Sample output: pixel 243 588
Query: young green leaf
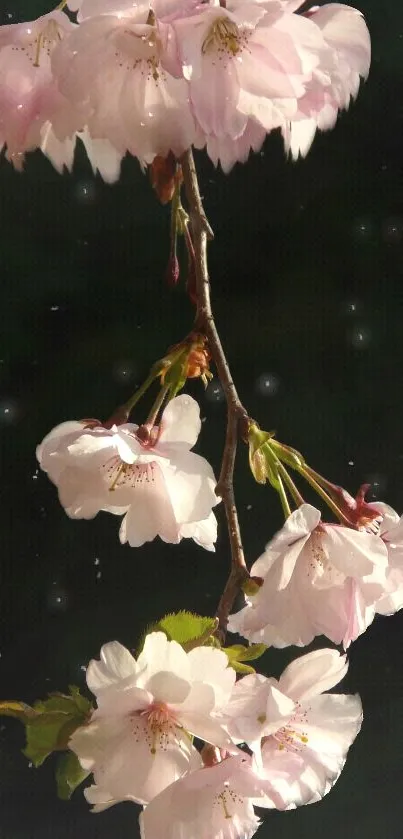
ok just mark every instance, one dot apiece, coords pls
pixel 185 627
pixel 69 775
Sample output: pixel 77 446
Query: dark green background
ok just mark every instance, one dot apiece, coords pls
pixel 307 277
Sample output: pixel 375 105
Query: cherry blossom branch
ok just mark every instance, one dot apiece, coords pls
pixel 237 417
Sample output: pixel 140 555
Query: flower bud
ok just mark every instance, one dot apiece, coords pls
pixel 172 271
pixel 252 585
pixel 164 175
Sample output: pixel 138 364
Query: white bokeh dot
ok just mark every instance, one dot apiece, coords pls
pixel 214 392
pixel 267 384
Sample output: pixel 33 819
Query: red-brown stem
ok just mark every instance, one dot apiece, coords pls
pixel 236 413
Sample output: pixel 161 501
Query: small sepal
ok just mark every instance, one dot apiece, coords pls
pixel 238 654
pixel 259 462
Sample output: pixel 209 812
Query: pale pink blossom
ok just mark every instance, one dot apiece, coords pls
pixel 318 579
pixel 337 78
pixel 214 802
pixel 123 72
pixel 248 61
pixel 33 112
pixel 162 487
pixel 300 735
pixel 29 97
pixel 138 740
pixel 391 533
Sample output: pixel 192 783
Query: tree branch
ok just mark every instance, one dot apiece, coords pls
pixel 237 416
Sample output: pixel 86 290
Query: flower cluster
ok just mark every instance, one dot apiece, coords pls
pixel 138 744
pixel 153 479
pixel 315 578
pixel 150 79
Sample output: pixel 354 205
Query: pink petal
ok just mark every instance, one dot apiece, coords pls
pixel 312 674
pixel 116 663
pixel 180 423
pixel 151 514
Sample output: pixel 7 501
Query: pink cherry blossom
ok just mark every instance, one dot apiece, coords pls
pixel 391 533
pixel 336 80
pixel 246 62
pixel 318 579
pixel 214 802
pixel 138 740
pixel 299 734
pixel 163 488
pixel 33 112
pixel 29 97
pixel 122 71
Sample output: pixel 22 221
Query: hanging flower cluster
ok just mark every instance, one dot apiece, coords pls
pixel 150 79
pixel 138 742
pixel 173 729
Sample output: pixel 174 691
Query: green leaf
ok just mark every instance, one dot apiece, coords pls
pixel 50 723
pixel 69 775
pixel 44 736
pixel 65 703
pixel 19 710
pixel 187 628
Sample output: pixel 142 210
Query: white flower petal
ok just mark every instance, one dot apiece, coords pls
pixel 209 665
pixel 166 686
pixel 116 664
pixel 353 552
pixel 180 422
pixel 160 655
pixel 203 532
pixel 190 484
pixel 256 709
pixel 312 674
pixel 150 514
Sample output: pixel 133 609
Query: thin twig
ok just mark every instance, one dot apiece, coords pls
pixel 236 413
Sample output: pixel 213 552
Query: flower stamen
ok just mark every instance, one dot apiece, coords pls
pixel 49 34
pixel 161 724
pixel 224 35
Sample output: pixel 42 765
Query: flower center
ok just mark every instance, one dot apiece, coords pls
pixel 289 738
pixel 41 39
pixel 162 727
pixel 119 474
pixel 223 37
pixel 226 800
pixel 139 50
